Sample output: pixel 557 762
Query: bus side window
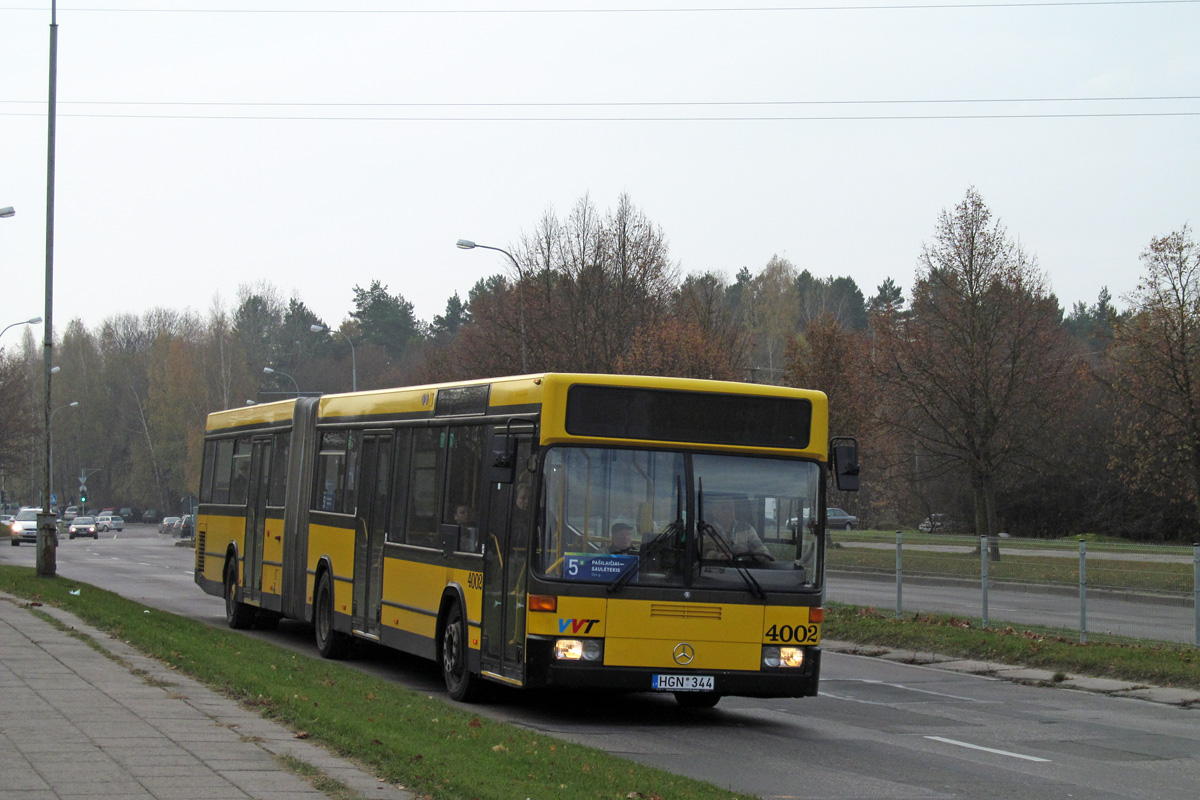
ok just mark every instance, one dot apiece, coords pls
pixel 222 467
pixel 422 519
pixel 400 486
pixel 240 479
pixel 279 467
pixel 206 474
pixel 463 470
pixel 331 468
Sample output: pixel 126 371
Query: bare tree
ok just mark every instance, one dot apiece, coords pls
pixel 977 370
pixel 1156 361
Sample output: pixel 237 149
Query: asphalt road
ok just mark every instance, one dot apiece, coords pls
pixel 878 730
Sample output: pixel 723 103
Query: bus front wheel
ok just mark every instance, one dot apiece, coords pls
pixel 461 685
pixel 330 643
pixel 238 615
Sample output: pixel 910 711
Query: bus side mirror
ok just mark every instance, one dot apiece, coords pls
pixel 503 460
pixel 844 452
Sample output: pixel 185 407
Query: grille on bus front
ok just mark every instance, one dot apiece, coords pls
pixel 677 611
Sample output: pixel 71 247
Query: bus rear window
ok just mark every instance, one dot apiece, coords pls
pixel 663 415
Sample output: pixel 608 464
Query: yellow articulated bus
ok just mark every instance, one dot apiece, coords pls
pixel 557 530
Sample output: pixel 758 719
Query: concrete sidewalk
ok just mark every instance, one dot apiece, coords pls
pixel 75 723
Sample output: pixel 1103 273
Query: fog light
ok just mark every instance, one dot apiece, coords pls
pixel 578 649
pixel 788 657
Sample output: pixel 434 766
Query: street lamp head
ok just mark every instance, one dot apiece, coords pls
pixel 72 404
pixel 315 328
pixel 54 370
pixel 268 370
pixel 7 211
pixel 251 403
pixel 465 244
pixel 33 321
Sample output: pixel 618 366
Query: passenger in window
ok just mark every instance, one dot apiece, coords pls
pixel 468 537
pixel 739 536
pixel 622 539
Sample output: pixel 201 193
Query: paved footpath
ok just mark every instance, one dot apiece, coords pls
pixel 75 723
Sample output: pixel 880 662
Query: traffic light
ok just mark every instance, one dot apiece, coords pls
pixel 83 494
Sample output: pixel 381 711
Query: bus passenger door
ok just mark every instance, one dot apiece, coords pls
pixel 258 487
pixel 505 557
pixel 370 531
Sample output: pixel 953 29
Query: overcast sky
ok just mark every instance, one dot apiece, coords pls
pixel 319 148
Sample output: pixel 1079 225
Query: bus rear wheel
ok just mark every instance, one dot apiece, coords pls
pixel 330 643
pixel 461 685
pixel 238 615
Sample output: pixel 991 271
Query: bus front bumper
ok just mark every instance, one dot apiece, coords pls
pixel 542 669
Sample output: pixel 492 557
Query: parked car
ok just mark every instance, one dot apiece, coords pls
pixel 168 525
pixel 941 523
pixel 149 515
pixel 187 527
pixel 110 522
pixel 70 513
pixel 83 526
pixel 835 518
pixel 24 526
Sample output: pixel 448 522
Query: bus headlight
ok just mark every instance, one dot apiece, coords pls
pixel 787 657
pixel 578 649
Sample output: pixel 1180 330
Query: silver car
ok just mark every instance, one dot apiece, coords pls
pixel 110 522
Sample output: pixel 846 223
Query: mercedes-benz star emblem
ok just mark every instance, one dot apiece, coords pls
pixel 684 653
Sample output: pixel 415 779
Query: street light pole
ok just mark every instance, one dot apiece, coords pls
pixel 315 328
pixel 467 244
pixel 33 321
pixel 71 404
pixel 270 371
pixel 47 536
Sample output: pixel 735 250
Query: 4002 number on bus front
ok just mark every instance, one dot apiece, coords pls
pixel 793 634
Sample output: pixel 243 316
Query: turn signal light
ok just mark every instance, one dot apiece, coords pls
pixel 543 602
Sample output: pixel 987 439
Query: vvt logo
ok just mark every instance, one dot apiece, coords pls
pixel 576 625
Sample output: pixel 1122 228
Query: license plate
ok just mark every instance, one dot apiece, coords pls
pixel 682 683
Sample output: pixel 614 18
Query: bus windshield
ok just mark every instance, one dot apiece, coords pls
pixel 661 518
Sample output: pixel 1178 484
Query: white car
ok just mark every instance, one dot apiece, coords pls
pixel 24 527
pixel 110 522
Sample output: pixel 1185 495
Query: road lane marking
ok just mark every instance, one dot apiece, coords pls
pixel 987 749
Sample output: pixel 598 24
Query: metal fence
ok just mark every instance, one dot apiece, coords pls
pixel 1088 590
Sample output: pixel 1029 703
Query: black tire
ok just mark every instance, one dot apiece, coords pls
pixel 331 643
pixel 697 699
pixel 237 614
pixel 849 526
pixel 71 536
pixel 461 684
pixel 16 542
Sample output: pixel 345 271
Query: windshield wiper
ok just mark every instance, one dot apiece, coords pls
pixel 659 542
pixel 706 529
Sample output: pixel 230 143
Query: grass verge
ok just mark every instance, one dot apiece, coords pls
pixel 946 634
pixel 404 737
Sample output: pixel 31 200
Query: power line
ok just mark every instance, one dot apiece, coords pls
pixel 621 104
pixel 657 10
pixel 863 117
